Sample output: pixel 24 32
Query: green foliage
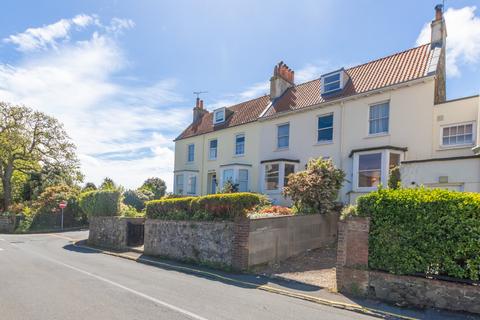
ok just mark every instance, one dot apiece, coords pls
pixel 130 212
pixel 89 186
pixel 348 211
pixel 211 207
pixel 394 179
pixel 431 231
pixel 229 187
pixel 100 203
pixel 315 189
pixel 137 198
pixel 156 186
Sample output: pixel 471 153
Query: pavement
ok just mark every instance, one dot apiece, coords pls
pixel 51 276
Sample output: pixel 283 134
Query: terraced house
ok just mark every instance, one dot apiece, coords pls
pixel 368 118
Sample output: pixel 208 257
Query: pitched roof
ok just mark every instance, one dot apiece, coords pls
pixel 394 69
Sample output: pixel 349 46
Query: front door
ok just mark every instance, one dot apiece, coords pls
pixel 212 188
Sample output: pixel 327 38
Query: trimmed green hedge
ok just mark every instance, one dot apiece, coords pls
pixel 428 231
pixel 211 207
pixel 100 203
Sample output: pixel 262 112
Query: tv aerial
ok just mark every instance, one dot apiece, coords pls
pixel 198 93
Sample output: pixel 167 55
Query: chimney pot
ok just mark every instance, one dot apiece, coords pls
pixel 438 12
pixel 197 104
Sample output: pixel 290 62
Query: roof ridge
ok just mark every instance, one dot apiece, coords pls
pixel 388 56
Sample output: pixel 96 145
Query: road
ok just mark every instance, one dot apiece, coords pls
pixel 45 277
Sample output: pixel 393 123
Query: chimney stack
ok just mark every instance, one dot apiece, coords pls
pixel 282 79
pixel 439 29
pixel 198 111
pixel 438 44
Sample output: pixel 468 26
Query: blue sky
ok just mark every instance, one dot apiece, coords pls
pixel 120 74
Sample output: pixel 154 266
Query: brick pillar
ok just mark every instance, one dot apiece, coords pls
pixel 352 255
pixel 241 231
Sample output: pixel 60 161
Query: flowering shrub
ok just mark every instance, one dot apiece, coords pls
pixel 315 189
pixel 277 210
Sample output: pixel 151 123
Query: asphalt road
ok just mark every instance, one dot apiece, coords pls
pixel 45 277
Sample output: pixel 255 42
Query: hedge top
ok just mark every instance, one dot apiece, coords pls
pixel 100 202
pixel 212 207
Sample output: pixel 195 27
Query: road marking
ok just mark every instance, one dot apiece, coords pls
pixel 61 237
pixel 118 285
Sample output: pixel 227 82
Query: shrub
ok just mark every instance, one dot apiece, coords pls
pixel 428 231
pixel 130 212
pixel 137 198
pixel 211 207
pixel 315 189
pixel 394 179
pixel 277 210
pixel 100 203
pixel 229 187
pixel 348 211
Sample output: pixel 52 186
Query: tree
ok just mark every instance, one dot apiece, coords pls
pixel 156 185
pixel 315 189
pixel 137 198
pixel 29 139
pixel 89 186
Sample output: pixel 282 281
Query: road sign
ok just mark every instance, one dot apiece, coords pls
pixel 63 204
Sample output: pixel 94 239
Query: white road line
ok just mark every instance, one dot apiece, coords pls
pixel 118 285
pixel 1 249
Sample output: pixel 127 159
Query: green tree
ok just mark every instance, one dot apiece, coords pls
pixel 29 139
pixel 89 186
pixel 156 185
pixel 137 198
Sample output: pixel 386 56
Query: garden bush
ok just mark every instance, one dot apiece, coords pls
pixel 315 189
pixel 100 202
pixel 427 231
pixel 211 207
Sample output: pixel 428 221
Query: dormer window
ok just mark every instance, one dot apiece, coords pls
pixel 334 81
pixel 219 116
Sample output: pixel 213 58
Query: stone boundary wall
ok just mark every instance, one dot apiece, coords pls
pixel 110 232
pixel 274 239
pixel 200 241
pixel 7 224
pixel 354 277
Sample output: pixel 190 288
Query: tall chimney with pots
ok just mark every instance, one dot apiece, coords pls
pixel 282 79
pixel 198 111
pixel 438 43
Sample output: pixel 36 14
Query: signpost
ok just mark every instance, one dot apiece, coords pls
pixel 62 206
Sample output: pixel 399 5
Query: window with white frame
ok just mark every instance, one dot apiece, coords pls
pixel 191 152
pixel 219 116
pixel 372 168
pixel 212 154
pixel 272 176
pixel 228 175
pixel 332 82
pixel 239 144
pixel 179 184
pixel 379 118
pixel 283 136
pixel 457 135
pixel 369 170
pixel 289 169
pixel 325 128
pixel 192 185
pixel 242 180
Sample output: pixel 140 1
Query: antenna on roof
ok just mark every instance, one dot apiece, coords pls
pixel 198 93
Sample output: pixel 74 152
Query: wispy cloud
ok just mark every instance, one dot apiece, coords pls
pixel 463 40
pixel 122 129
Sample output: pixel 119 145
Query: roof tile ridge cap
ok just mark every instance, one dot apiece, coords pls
pixel 388 56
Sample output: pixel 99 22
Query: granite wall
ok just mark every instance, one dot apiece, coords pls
pixel 110 232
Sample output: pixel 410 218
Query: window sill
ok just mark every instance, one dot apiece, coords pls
pixel 323 143
pixel 377 135
pixel 215 159
pixel 281 149
pixel 460 146
pixel 239 155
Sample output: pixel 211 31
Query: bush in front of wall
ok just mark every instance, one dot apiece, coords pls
pixel 100 202
pixel 427 231
pixel 211 207
pixel 315 189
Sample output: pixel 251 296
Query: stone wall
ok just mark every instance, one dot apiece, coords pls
pixel 201 241
pixel 7 224
pixel 354 277
pixel 110 232
pixel 278 238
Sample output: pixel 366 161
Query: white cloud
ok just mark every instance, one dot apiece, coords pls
pixel 75 81
pixel 463 38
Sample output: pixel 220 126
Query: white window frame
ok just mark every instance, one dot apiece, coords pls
pixel 210 149
pixel 281 176
pixel 179 177
pixel 193 152
pixel 278 136
pixel 191 177
pixel 240 181
pixel 332 127
pixel 218 111
pixel 339 73
pixel 370 106
pixel 384 168
pixel 236 174
pixel 244 143
pixel 463 145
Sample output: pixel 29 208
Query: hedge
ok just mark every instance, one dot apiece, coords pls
pixel 100 203
pixel 427 231
pixel 211 207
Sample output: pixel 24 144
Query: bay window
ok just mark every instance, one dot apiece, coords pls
pixel 369 170
pixel 272 176
pixel 237 174
pixel 276 175
pixel 179 184
pixel 242 180
pixel 192 185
